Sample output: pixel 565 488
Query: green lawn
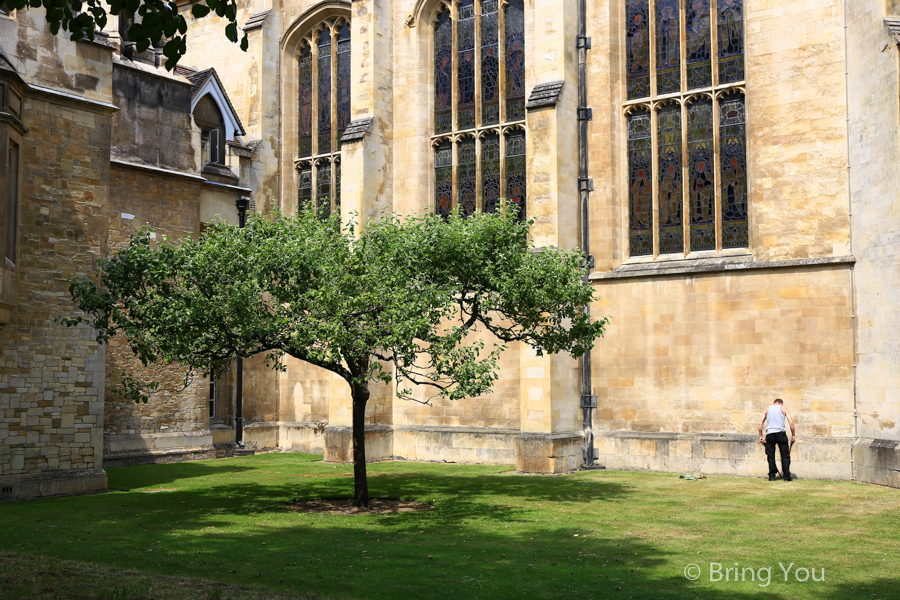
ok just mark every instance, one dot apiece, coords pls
pixel 223 529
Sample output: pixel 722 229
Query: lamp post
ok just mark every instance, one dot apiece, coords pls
pixel 242 203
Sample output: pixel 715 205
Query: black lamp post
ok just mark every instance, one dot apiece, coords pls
pixel 242 203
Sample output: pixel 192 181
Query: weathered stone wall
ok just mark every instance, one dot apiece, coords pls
pixel 52 377
pixel 153 125
pixel 874 181
pixel 170 203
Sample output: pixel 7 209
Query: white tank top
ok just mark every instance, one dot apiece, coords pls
pixel 774 419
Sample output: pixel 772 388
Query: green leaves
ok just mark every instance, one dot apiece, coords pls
pixel 153 22
pixel 418 301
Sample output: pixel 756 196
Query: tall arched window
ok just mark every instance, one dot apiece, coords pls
pixel 479 105
pixel 324 113
pixel 685 114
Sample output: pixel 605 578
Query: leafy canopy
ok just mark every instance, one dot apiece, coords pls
pixel 402 302
pixel 158 21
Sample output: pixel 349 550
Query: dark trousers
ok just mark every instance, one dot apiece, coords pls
pixel 781 439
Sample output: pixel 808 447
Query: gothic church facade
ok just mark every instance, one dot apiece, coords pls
pixel 731 164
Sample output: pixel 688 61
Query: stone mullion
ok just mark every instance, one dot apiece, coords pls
pixel 682 40
pixel 314 96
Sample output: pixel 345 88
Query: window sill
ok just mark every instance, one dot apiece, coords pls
pixel 715 263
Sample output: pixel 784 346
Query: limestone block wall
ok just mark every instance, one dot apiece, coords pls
pixel 874 180
pixel 705 354
pixel 52 377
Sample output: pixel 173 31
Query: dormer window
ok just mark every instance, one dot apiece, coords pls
pixel 212 131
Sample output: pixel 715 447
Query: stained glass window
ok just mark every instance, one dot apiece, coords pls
pixel 731 41
pixel 638 48
pixel 490 63
pixel 671 225
pixel 699 39
pixel 697 158
pixel 465 43
pixel 343 79
pixel 701 190
pixel 324 91
pixel 337 186
pixel 668 47
pixel 640 170
pixel 515 172
pixel 443 179
pixel 487 61
pixel 305 113
pixel 490 172
pixel 323 189
pixel 465 177
pixel 443 73
pixel 515 60
pixel 304 195
pixel 732 143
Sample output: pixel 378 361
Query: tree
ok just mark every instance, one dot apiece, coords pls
pixel 158 22
pixel 399 303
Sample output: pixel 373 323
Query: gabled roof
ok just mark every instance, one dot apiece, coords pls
pixel 208 82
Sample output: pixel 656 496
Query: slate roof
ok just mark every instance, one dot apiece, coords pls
pixel 546 94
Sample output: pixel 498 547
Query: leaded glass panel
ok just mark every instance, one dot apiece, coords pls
pixel 671 199
pixel 490 63
pixel 515 173
pixel 343 79
pixel 443 73
pixel 337 186
pixel 640 168
pixel 323 190
pixel 699 41
pixel 732 142
pixel 701 189
pixel 465 177
pixel 638 48
pixel 731 41
pixel 443 179
pixel 324 92
pixel 465 43
pixel 668 47
pixel 304 193
pixel 490 172
pixel 304 131
pixel 515 60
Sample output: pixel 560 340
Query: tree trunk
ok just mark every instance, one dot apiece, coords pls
pixel 360 483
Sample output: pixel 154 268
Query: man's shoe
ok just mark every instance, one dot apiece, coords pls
pixel 788 478
pixel 771 478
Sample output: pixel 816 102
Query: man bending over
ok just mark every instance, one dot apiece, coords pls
pixel 774 418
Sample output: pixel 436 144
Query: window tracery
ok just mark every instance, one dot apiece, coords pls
pixel 685 115
pixel 324 112
pixel 479 105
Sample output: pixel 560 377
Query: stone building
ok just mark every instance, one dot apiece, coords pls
pixel 737 190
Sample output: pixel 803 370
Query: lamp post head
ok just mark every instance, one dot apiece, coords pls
pixel 242 203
